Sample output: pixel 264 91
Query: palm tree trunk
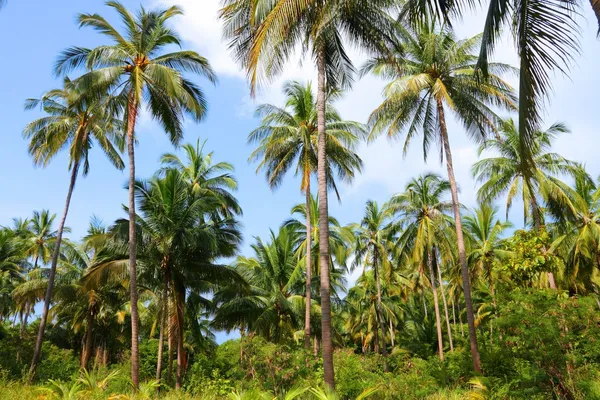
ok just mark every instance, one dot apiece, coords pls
pixel 462 255
pixel 380 311
pixel 537 223
pixel 171 339
pixel 441 282
pixel 308 268
pixel 49 290
pixel 170 350
pixel 89 335
pixel 438 322
pixel 453 314
pixel 133 293
pixel 324 226
pixel 181 358
pixel 392 335
pixel 163 322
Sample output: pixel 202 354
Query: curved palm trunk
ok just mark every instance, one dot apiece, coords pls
pixel 49 290
pixel 380 323
pixel 308 269
pixel 326 344
pixel 438 322
pixel 133 293
pixel 462 255
pixel 444 301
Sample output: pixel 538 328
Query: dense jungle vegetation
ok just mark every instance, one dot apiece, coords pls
pixel 450 302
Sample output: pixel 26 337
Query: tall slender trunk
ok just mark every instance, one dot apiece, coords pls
pixel 133 293
pixel 462 254
pixel 163 322
pixel 436 306
pixel 181 357
pixel 308 268
pixel 324 225
pixel 453 314
pixel 392 334
pixel 537 224
pixel 89 336
pixel 380 323
pixel 49 290
pixel 170 351
pixel 242 337
pixel 171 339
pixel 424 303
pixel 441 282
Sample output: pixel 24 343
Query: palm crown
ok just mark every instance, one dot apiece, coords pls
pixel 288 136
pixel 134 68
pixel 507 173
pixel 430 67
pixel 77 121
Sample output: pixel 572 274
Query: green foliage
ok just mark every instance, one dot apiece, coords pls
pixel 530 258
pixel 57 364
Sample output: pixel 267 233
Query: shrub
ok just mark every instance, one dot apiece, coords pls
pixel 57 364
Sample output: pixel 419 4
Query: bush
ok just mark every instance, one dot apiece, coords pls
pixel 56 364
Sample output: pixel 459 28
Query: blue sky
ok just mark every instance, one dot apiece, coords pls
pixel 33 33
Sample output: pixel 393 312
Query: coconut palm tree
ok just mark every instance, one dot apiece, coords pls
pixel 484 232
pixel 180 236
pixel 508 174
pixel 433 72
pixel 13 264
pixel 421 211
pixel 546 38
pixel 272 304
pixel 360 312
pixel 135 69
pixel 289 136
pixel 75 121
pixel 208 179
pixel 577 231
pixel 374 237
pixel 264 37
pixel 40 236
pixel 535 181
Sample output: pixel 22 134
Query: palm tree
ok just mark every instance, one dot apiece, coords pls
pixel 40 236
pixel 180 237
pixel 432 72
pixel 509 174
pixel 484 232
pixel 289 136
pixel 577 231
pixel 263 38
pixel 77 121
pixel 422 217
pixel 133 67
pixel 361 307
pixel 271 305
pixel 13 264
pixel 207 179
pixel 546 39
pixel 374 236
